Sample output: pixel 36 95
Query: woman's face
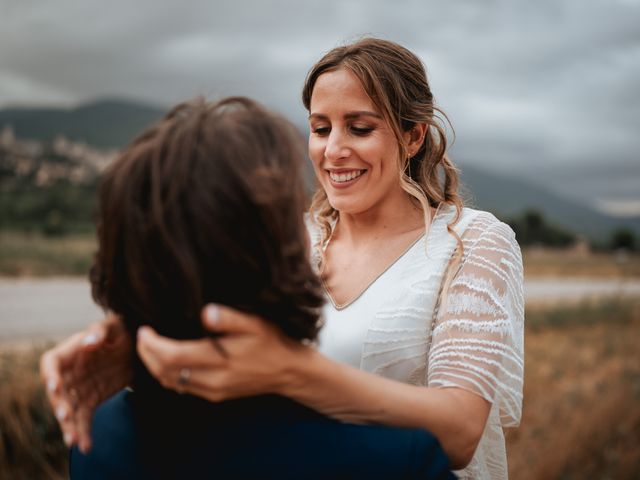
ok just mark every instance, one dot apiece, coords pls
pixel 353 150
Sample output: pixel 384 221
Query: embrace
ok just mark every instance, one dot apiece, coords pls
pixel 387 320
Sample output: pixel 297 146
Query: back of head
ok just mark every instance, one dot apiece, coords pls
pixel 207 206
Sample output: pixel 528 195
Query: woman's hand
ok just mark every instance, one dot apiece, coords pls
pixel 251 357
pixel 83 371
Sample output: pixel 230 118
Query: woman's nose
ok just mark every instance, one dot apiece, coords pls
pixel 336 147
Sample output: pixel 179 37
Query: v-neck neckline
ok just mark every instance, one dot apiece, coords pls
pixel 424 235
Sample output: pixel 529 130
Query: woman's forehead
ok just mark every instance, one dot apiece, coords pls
pixel 340 90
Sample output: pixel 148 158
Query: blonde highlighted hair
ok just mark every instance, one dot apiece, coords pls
pixel 396 81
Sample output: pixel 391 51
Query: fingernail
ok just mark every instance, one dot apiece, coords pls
pixel 143 333
pixel 67 439
pixel 212 315
pixel 85 446
pixel 90 339
pixel 52 385
pixel 61 413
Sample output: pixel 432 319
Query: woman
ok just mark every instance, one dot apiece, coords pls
pixel 424 327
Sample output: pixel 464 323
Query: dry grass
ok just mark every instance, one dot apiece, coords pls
pixel 23 254
pixel 570 263
pixel 33 255
pixel 31 445
pixel 581 415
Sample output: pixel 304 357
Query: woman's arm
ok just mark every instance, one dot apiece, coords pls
pixel 261 360
pixel 84 370
pixel 455 416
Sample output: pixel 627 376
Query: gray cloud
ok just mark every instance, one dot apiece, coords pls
pixel 529 86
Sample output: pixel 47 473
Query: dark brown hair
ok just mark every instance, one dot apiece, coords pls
pixel 207 206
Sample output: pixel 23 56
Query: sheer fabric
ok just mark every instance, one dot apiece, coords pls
pixel 470 338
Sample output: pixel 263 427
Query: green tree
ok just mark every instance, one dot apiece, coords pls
pixel 623 238
pixel 531 228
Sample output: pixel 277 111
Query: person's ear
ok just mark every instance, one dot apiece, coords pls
pixel 414 138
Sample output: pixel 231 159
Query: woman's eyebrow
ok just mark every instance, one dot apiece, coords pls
pixel 348 115
pixel 361 113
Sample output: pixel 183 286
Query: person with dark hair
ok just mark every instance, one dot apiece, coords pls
pixel 201 208
pixel 424 319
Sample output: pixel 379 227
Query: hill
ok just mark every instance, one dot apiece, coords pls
pixel 108 124
pixel 103 124
pixel 509 196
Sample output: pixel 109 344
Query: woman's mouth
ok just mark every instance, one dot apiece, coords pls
pixel 345 177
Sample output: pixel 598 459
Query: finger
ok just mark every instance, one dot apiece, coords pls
pixel 147 350
pixel 115 329
pixel 207 384
pixel 164 356
pixel 94 337
pixel 66 412
pixel 54 359
pixel 63 412
pixel 222 319
pixel 51 373
pixel 86 396
pixel 83 428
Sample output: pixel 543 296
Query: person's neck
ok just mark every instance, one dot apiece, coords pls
pixel 392 217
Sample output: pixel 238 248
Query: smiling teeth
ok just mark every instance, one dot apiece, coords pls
pixel 345 177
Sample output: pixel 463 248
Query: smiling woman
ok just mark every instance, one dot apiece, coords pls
pixel 424 324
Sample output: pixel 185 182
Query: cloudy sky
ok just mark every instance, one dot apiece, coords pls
pixel 546 89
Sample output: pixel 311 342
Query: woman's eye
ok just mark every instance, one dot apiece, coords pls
pixel 321 130
pixel 361 130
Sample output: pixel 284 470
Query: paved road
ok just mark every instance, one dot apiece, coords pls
pixel 576 289
pixel 43 309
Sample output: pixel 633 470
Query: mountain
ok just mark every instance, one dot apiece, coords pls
pixel 103 124
pixel 509 196
pixel 110 124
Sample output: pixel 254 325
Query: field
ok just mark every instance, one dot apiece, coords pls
pixel 31 446
pixel 581 410
pixel 34 255
pixel 581 415
pixel 563 263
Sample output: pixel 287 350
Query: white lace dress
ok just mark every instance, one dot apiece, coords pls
pixel 394 329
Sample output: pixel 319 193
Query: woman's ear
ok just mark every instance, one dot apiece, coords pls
pixel 414 138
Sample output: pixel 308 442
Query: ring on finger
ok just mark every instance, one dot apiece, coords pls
pixel 183 379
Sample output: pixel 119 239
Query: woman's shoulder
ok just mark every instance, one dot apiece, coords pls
pixel 480 223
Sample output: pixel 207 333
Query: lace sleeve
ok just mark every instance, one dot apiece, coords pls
pixel 478 333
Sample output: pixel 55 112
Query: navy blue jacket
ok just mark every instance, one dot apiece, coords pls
pixel 261 437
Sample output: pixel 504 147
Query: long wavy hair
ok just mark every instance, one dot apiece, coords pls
pixel 207 206
pixel 396 81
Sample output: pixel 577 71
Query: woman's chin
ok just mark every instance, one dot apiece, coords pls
pixel 345 207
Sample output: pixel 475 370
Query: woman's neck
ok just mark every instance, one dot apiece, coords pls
pixel 392 217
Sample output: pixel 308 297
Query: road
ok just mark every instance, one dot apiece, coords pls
pixel 39 309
